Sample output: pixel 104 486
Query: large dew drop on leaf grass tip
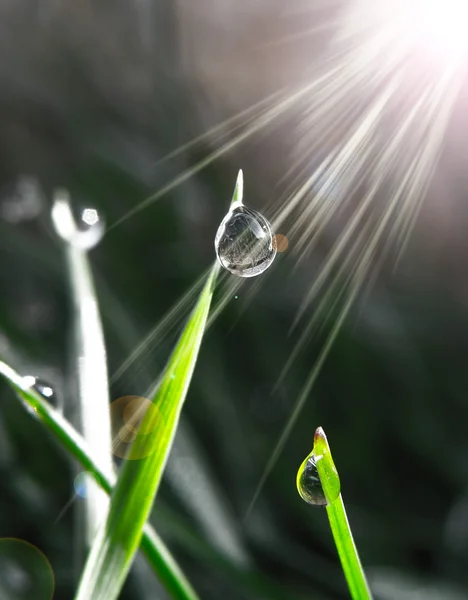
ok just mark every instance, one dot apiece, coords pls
pixel 308 483
pixel 244 242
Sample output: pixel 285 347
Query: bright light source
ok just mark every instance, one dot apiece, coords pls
pixel 443 25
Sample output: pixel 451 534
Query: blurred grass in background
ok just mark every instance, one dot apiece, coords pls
pixel 91 100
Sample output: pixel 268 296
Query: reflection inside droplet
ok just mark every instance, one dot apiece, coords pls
pixel 308 483
pixel 244 242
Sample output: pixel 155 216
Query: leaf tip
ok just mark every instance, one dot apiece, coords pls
pixel 239 189
pixel 320 438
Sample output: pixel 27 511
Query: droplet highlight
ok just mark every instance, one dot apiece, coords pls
pixel 84 228
pixel 42 387
pixel 244 242
pixel 91 228
pixel 309 485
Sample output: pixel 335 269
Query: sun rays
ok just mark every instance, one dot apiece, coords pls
pixel 370 129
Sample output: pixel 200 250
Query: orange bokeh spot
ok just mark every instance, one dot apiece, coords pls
pixel 133 418
pixel 280 242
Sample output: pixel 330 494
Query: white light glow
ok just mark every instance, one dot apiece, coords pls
pixel 443 25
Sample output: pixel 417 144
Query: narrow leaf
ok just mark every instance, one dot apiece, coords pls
pixel 152 545
pixel 89 354
pixel 118 539
pixel 341 530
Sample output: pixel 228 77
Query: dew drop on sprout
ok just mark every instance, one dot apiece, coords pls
pixel 308 483
pixel 244 242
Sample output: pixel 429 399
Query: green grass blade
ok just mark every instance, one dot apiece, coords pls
pixel 347 551
pixel 238 195
pixel 339 524
pixel 118 539
pixel 152 545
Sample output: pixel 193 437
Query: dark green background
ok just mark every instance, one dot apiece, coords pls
pixel 85 105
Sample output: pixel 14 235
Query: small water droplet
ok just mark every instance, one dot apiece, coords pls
pixel 90 228
pixel 308 483
pixel 244 242
pixel 81 227
pixel 89 216
pixel 236 297
pixel 41 387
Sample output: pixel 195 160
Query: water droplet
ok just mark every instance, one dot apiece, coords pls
pixel 91 229
pixel 41 387
pixel 84 227
pixel 308 483
pixel 89 217
pixel 244 242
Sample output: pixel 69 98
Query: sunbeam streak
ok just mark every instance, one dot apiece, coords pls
pixel 404 164
pixel 371 122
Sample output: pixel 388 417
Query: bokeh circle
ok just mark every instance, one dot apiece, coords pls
pixel 25 573
pixel 134 418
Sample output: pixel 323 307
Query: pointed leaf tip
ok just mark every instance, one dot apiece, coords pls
pixel 320 441
pixel 320 435
pixel 239 189
pixel 326 468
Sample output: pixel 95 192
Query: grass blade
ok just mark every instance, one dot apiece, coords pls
pixel 115 545
pixel 118 539
pixel 339 524
pixel 152 545
pixel 89 358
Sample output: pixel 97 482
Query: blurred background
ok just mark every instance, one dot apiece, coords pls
pixel 93 97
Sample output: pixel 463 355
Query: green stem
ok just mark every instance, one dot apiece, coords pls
pixel 347 551
pixel 330 483
pixel 152 546
pixel 89 360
